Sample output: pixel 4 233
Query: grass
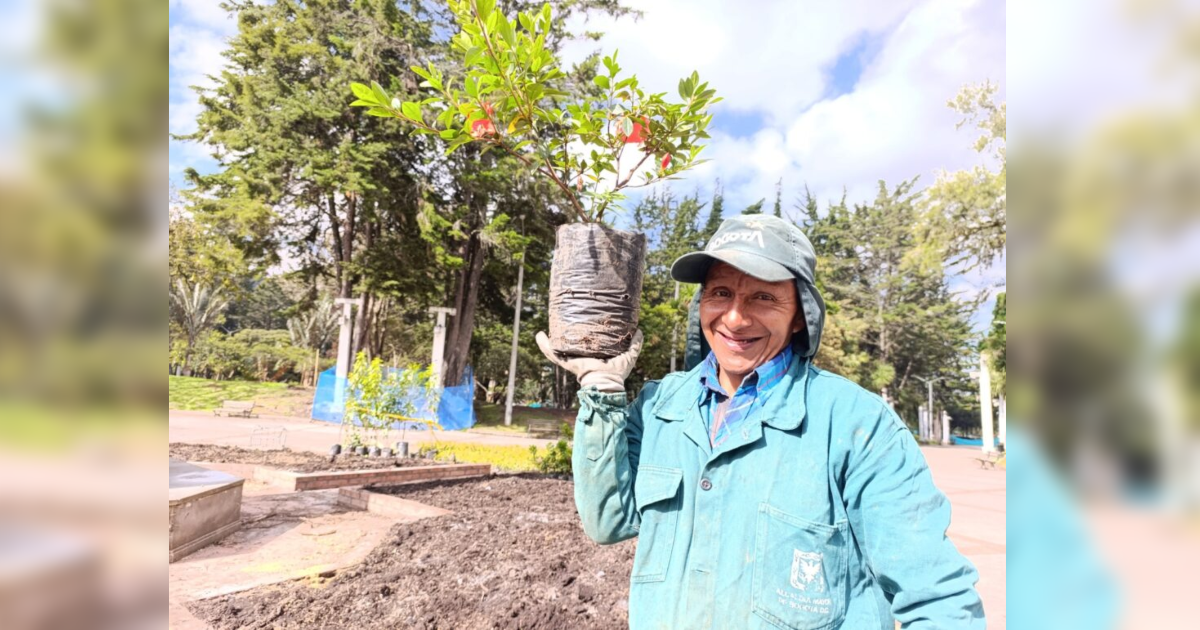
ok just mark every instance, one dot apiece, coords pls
pixel 193 394
pixel 491 417
pixel 502 458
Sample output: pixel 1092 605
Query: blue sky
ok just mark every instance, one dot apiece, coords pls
pixel 829 95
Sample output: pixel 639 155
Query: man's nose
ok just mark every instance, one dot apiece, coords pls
pixel 735 317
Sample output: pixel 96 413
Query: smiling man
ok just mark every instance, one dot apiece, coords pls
pixel 764 492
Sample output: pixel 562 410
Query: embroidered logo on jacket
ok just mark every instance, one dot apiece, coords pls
pixel 806 571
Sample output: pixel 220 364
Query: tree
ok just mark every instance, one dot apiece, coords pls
pixel 315 329
pixel 197 308
pixel 779 198
pixel 967 210
pixel 714 215
pixel 756 207
pixel 301 170
pixel 892 318
pixel 513 98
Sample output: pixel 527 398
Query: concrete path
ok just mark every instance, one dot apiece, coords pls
pixel 978 519
pixel 202 427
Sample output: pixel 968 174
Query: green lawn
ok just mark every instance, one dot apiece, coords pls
pixel 491 417
pixel 188 393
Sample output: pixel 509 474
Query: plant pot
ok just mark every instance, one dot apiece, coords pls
pixel 335 450
pixel 387 452
pixel 376 451
pixel 402 449
pixel 595 290
pixel 361 450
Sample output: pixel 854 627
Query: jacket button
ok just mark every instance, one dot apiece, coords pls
pixel 705 484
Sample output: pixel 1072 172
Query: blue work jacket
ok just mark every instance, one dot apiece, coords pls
pixel 819 512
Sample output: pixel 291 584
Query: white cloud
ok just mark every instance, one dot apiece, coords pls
pixel 207 13
pixel 773 59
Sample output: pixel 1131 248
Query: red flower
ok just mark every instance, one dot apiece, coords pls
pixel 488 109
pixel 640 132
pixel 666 161
pixel 482 128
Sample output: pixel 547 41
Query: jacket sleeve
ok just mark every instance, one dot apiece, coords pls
pixel 900 519
pixel 608 440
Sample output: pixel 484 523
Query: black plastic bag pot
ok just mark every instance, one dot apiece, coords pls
pixel 595 290
pixel 335 450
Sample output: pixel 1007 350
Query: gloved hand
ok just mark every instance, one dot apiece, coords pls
pixel 608 375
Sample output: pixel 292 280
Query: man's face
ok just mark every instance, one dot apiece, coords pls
pixel 747 321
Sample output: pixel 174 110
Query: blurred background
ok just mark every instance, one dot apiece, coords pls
pixel 1104 384
pixel 82 250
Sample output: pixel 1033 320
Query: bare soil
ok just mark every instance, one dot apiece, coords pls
pixel 285 459
pixel 512 554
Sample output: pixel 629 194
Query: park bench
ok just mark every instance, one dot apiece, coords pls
pixel 990 460
pixel 240 408
pixel 543 426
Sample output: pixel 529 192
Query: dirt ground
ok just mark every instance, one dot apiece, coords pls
pixel 511 555
pixel 285 459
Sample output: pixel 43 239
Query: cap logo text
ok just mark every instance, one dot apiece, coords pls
pixel 749 236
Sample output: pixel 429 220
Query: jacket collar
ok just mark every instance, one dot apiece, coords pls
pixel 781 407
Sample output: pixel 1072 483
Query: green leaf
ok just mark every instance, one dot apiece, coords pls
pixel 504 28
pixel 411 110
pixel 627 127
pixel 421 72
pixel 381 95
pixel 472 87
pixel 601 81
pixel 526 21
pixel 546 14
pixel 449 134
pixel 484 8
pixel 363 92
pixel 362 103
pixel 382 112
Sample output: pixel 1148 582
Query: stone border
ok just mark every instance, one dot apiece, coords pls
pixel 296 482
pixel 386 504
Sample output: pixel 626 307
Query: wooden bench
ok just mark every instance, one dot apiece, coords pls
pixel 240 408
pixel 543 426
pixel 990 461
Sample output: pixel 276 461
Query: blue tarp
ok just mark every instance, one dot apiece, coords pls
pixel 455 411
pixel 962 441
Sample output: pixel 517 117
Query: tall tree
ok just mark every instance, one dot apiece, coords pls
pixel 756 207
pixel 779 198
pixel 893 318
pixel 300 169
pixel 714 214
pixel 968 210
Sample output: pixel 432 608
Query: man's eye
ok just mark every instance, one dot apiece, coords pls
pixel 766 296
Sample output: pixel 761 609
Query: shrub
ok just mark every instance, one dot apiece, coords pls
pixel 558 455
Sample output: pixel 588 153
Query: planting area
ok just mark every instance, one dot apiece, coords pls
pixel 511 554
pixel 285 459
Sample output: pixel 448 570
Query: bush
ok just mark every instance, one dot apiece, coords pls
pixel 558 455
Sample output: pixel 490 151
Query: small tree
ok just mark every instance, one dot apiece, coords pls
pixel 381 396
pixel 511 100
pixel 197 308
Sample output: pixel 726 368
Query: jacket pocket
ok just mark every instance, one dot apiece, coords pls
pixel 800 571
pixel 656 495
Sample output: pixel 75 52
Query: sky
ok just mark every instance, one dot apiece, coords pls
pixel 832 96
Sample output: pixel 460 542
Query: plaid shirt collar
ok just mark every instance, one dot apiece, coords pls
pixel 758 383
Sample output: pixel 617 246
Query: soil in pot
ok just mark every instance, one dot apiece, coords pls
pixel 595 289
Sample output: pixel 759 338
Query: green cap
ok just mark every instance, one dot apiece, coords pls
pixel 768 248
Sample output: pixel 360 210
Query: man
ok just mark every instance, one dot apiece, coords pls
pixel 765 493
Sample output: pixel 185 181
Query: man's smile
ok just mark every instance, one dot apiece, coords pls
pixel 737 343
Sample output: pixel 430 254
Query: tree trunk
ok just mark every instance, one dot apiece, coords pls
pixel 458 337
pixel 362 327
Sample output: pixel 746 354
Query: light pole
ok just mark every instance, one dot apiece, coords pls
pixel 925 427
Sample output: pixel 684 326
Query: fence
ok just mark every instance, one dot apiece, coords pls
pixel 455 411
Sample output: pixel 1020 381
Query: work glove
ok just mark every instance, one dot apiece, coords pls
pixel 608 375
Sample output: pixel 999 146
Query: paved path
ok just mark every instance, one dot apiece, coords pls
pixel 202 427
pixel 978 519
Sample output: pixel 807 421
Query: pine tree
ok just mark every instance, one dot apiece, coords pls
pixel 714 215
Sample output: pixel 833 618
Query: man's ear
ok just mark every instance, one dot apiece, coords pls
pixel 799 323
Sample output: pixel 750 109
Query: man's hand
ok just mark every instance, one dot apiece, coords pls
pixel 608 375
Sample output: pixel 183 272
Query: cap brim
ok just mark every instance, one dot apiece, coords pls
pixel 693 267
